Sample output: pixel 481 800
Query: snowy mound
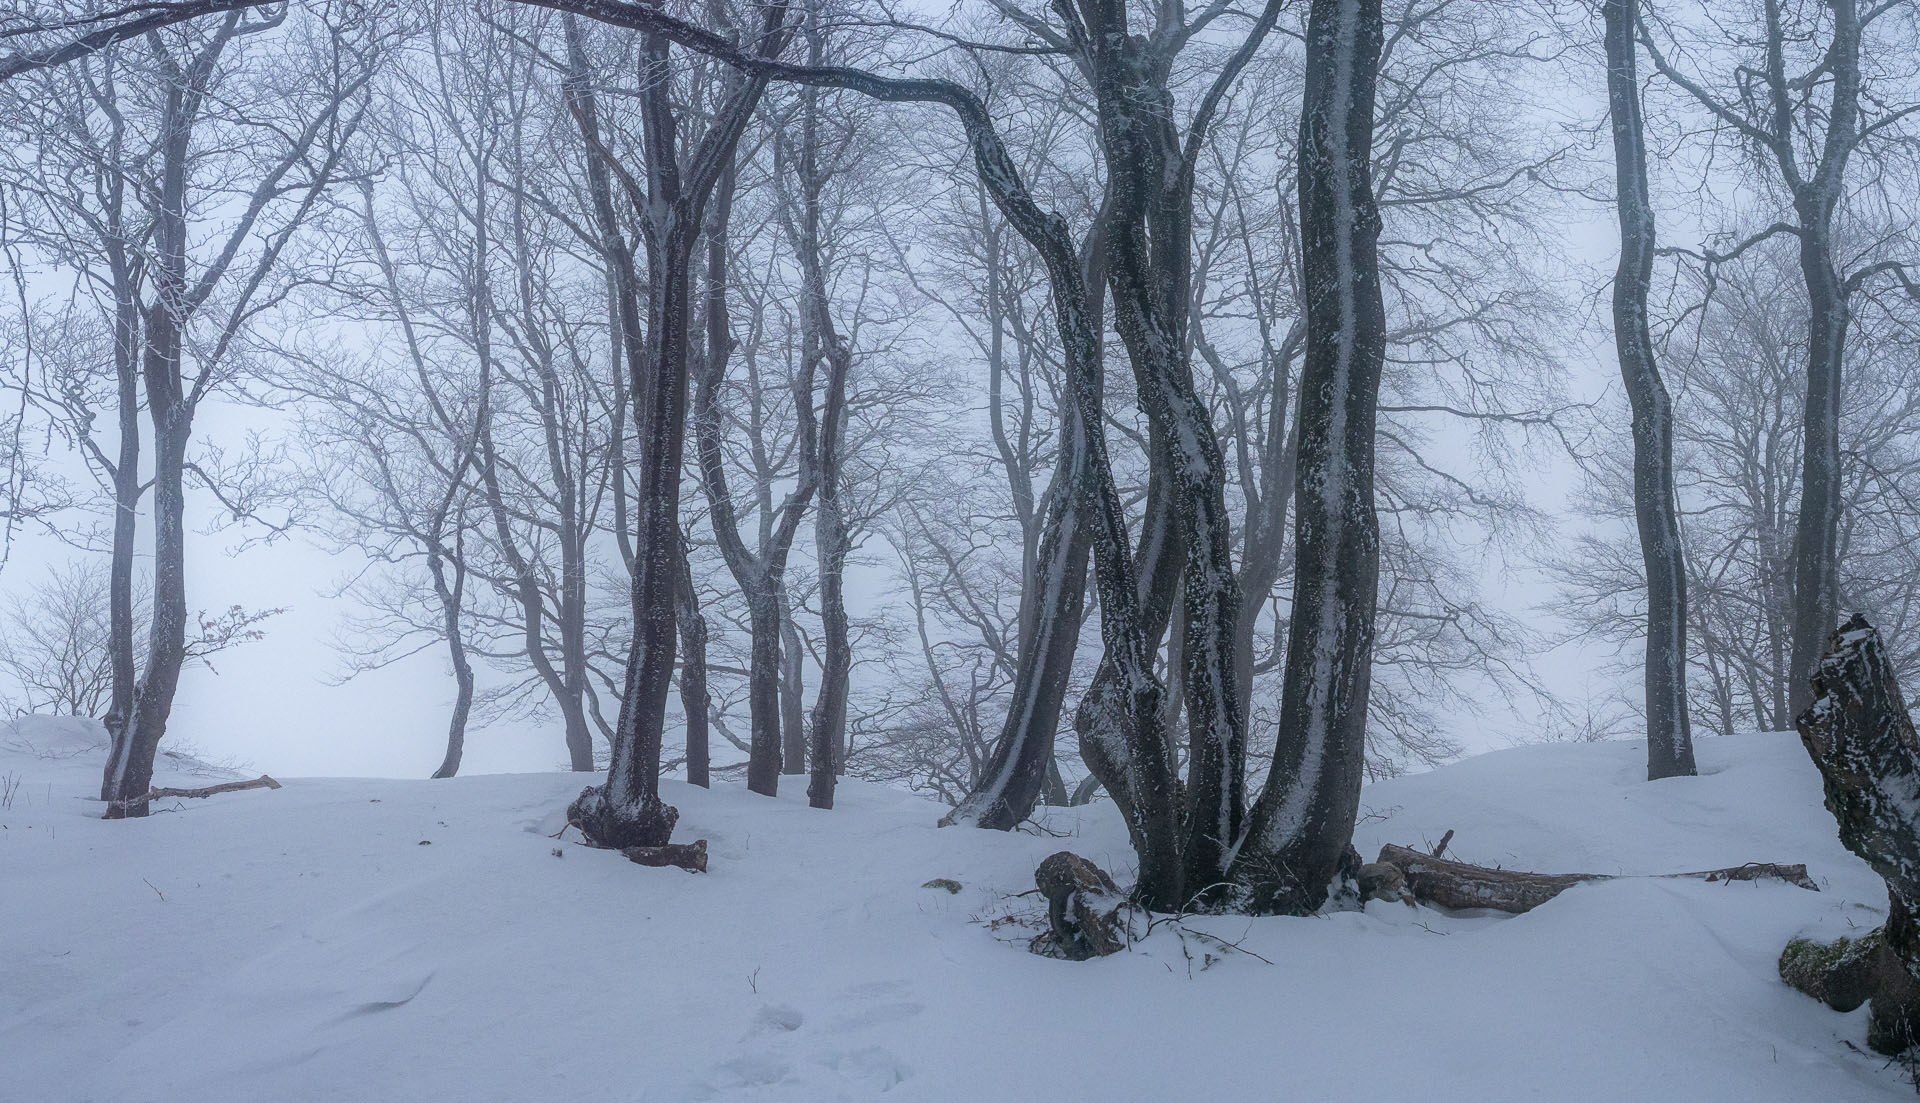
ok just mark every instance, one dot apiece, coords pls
pixel 45 739
pixel 381 940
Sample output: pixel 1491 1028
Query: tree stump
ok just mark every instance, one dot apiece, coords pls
pixel 1860 737
pixel 1083 909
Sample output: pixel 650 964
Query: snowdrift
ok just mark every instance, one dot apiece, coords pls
pixel 344 939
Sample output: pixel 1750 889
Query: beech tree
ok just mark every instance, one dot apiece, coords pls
pixel 183 235
pixel 1808 91
pixel 1669 740
pixel 670 205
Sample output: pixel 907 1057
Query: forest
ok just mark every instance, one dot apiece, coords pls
pixel 1144 456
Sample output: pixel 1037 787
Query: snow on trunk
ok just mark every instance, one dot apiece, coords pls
pixel 1301 825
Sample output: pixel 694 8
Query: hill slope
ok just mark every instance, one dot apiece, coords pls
pixel 303 944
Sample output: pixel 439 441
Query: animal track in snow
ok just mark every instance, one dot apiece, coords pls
pixel 778 1016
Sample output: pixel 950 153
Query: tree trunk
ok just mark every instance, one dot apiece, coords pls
pixel 1816 535
pixel 1302 824
pixel 793 690
pixel 126 517
pixel 626 810
pixel 130 765
pixel 694 701
pixel 1669 740
pixel 450 596
pixel 758 572
pixel 764 761
pixel 1862 739
pixel 130 760
pixel 1053 597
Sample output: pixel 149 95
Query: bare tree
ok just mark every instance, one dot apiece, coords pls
pixel 1300 827
pixel 1669 740
pixel 1806 92
pixel 671 207
pixel 183 237
pixel 54 654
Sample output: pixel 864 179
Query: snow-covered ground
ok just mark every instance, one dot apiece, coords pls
pixel 344 939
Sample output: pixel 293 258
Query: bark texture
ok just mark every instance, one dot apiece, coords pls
pixel 1861 738
pixel 627 810
pixel 691 857
pixel 1083 909
pixel 1302 824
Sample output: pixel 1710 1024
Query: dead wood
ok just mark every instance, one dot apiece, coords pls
pixel 1452 884
pixel 1083 909
pixel 691 857
pixel 261 782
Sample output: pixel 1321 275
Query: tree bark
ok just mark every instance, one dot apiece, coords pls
pixel 758 571
pixel 1861 737
pixel 126 516
pixel 451 597
pixel 1083 909
pixel 793 688
pixel 694 701
pixel 691 857
pixel 1302 824
pixel 1816 533
pixel 822 432
pixel 1669 738
pixel 627 810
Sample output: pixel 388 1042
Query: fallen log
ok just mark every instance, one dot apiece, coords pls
pixel 1452 884
pixel 1861 738
pixel 261 782
pixel 691 857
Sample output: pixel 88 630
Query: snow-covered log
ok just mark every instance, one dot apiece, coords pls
pixel 1453 884
pixel 1859 734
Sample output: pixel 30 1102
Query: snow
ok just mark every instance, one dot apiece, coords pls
pixel 302 944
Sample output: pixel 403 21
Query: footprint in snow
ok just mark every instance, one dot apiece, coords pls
pixel 778 1017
